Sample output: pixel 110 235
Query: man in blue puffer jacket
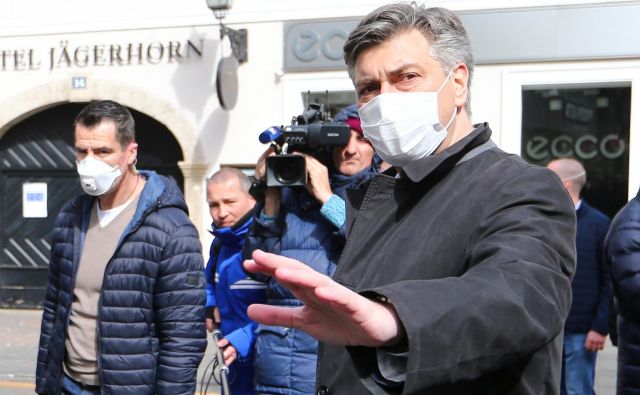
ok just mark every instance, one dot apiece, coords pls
pixel 622 253
pixel 124 306
pixel 305 224
pixel 229 289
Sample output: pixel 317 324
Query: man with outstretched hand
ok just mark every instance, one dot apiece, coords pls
pixel 456 274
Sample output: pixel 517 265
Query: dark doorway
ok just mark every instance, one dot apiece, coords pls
pixel 590 124
pixel 40 149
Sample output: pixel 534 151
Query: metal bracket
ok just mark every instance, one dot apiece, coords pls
pixel 238 40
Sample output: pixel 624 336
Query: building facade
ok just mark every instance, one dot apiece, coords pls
pixel 553 79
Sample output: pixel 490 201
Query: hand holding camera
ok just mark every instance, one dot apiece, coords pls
pixel 318 179
pixel 312 133
pixel 259 173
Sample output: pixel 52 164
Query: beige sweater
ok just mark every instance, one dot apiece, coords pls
pixel 82 335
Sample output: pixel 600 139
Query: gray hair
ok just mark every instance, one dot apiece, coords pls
pixel 442 29
pixel 227 173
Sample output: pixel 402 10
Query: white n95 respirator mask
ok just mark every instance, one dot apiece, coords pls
pixel 96 176
pixel 404 126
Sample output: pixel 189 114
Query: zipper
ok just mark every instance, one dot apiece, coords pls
pixel 124 236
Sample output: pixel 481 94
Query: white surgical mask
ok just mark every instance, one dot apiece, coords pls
pixel 96 176
pixel 404 126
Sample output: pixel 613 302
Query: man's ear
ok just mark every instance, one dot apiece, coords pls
pixel 132 148
pixel 460 76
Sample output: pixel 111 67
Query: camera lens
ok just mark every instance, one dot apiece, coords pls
pixel 288 172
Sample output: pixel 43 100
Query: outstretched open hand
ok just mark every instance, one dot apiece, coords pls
pixel 331 312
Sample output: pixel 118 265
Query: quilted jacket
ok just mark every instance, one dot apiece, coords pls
pixel 151 332
pixel 622 253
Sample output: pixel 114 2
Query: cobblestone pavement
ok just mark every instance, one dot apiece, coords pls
pixel 19 343
pixel 20 331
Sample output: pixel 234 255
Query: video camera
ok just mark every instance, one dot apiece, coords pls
pixel 311 132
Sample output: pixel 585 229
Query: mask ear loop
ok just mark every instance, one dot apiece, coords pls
pixel 445 81
pixel 135 161
pixel 133 165
pixel 573 177
pixel 438 126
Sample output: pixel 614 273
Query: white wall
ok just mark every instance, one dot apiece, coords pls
pixel 267 96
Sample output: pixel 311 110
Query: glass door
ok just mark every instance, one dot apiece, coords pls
pixel 583 110
pixel 590 124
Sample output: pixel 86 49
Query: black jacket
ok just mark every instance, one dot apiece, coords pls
pixel 151 334
pixel 622 253
pixel 477 260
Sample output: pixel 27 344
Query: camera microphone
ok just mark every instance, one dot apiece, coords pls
pixel 269 135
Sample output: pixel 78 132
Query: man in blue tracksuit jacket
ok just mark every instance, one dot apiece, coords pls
pixel 229 289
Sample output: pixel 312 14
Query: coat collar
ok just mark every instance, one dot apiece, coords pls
pixel 236 232
pixel 582 209
pixel 423 167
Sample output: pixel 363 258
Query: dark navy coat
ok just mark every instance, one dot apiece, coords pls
pixel 622 249
pixel 591 284
pixel 151 331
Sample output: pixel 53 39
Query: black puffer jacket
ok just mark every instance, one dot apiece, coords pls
pixel 622 253
pixel 151 334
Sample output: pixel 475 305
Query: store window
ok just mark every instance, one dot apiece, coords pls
pixel 333 101
pixel 590 124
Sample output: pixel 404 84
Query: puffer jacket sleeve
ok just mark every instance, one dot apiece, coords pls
pixel 265 234
pixel 180 320
pixel 62 235
pixel 48 317
pixel 210 277
pixel 622 248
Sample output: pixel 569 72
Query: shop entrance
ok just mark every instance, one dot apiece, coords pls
pixel 587 123
pixel 37 177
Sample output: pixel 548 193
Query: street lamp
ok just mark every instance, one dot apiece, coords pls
pixel 238 38
pixel 219 5
pixel 227 71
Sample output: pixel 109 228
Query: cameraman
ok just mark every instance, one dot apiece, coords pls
pixel 305 224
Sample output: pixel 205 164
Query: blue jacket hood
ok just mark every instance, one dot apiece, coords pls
pixel 161 190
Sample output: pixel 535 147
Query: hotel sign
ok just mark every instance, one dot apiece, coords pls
pixel 69 55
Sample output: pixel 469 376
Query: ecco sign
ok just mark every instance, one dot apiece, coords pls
pixel 584 147
pixel 309 45
pixel 316 45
